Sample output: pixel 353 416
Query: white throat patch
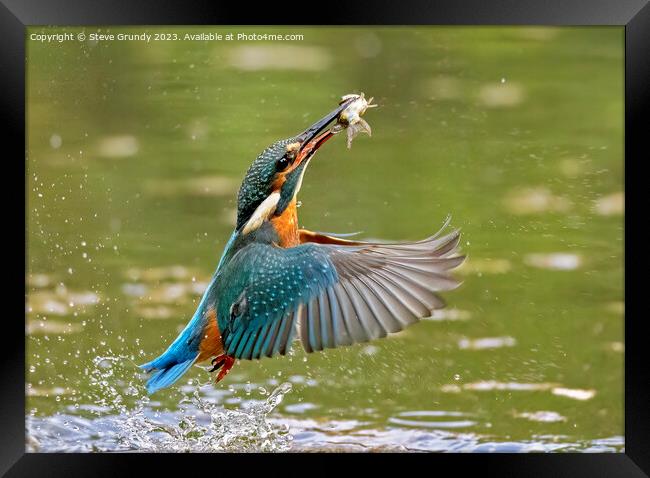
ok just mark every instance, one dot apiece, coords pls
pixel 262 213
pixel 302 175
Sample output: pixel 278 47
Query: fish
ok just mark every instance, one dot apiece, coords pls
pixel 350 118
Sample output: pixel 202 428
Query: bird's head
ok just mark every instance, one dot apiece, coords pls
pixel 274 179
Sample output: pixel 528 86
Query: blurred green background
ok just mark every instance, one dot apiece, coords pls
pixel 136 151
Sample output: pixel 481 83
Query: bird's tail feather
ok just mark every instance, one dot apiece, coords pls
pixel 166 375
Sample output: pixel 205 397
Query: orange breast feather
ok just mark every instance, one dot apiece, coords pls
pixel 286 225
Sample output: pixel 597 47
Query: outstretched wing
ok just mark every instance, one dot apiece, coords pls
pixel 334 294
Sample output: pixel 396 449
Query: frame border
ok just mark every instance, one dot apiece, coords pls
pixel 16 15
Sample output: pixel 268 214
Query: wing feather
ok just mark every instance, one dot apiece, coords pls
pixel 314 325
pixel 341 335
pixel 367 319
pixel 379 311
pixel 303 327
pixel 399 311
pixel 336 293
pixel 270 340
pixel 327 330
pixel 350 320
pixel 258 349
pixel 404 295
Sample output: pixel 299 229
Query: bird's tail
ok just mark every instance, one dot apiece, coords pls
pixel 182 353
pixel 176 360
pixel 190 343
pixel 165 371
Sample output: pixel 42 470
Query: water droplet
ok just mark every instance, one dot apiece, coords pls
pixel 56 141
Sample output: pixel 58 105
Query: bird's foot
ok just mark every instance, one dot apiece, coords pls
pixel 223 362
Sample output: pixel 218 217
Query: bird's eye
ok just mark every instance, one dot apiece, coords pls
pixel 282 164
pixel 289 156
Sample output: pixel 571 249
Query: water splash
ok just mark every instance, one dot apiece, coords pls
pixel 207 427
pixel 126 421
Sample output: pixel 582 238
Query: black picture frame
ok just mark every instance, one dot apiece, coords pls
pixel 633 15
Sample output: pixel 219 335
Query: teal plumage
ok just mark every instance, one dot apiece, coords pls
pixel 268 285
pixel 258 180
pixel 340 294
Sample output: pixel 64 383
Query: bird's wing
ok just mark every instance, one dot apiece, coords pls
pixel 306 236
pixel 334 294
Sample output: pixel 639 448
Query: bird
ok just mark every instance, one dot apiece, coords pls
pixel 276 282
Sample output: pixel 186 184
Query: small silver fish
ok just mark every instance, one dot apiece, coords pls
pixel 350 117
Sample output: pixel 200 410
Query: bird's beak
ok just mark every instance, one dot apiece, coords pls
pixel 317 134
pixel 288 182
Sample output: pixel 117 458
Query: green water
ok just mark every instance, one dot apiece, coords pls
pixel 135 153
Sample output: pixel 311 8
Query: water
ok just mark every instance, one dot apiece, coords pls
pixel 135 153
pixel 106 423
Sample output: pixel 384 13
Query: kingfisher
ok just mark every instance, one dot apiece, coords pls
pixel 276 281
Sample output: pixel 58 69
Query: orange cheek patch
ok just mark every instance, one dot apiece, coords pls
pixel 210 345
pixel 279 181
